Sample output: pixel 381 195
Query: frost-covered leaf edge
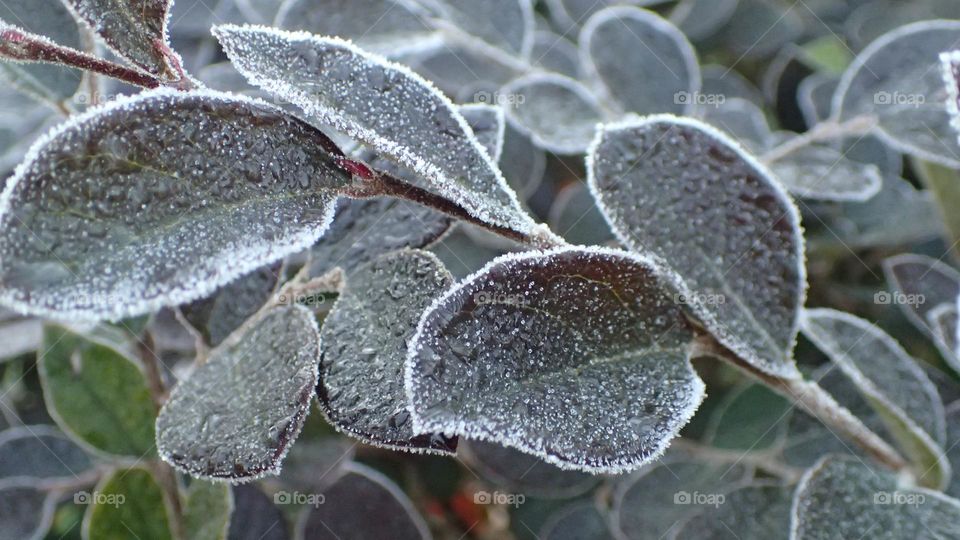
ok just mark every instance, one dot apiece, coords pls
pixel 667 28
pixel 465 430
pixel 867 387
pixel 860 61
pixel 330 116
pixel 714 326
pixel 245 263
pixel 952 83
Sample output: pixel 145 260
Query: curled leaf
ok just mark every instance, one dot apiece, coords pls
pixel 680 190
pixel 578 356
pixel 159 199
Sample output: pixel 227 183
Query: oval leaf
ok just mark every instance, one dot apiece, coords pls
pixel 96 394
pixel 683 191
pixel 644 63
pixel 350 502
pixel 823 172
pixel 517 472
pixel 256 517
pixel 158 200
pixel 364 345
pixel 40 455
pixel 389 27
pixel 25 512
pixel 505 25
pixel 898 80
pixel 382 104
pixel 54 22
pixel 843 498
pixel 749 512
pixel 578 356
pixel 891 381
pixel 557 112
pixel 128 504
pixel 136 31
pixel 223 422
pixel 207 509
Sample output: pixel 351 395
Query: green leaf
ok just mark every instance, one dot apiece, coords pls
pixel 207 510
pixel 96 394
pixel 751 419
pixel 841 498
pixel 127 504
pixel 944 183
pixel 157 200
pixel 828 54
pixel 364 346
pixel 237 414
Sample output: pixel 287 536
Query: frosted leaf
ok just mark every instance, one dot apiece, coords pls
pixel 53 21
pixel 522 163
pixel 488 124
pixel 570 14
pixel 578 356
pixel 366 228
pixel 136 31
pixel 505 25
pixel 461 253
pixel 557 112
pixel 891 381
pixel 350 503
pixel 684 192
pixel 843 498
pixel 723 81
pixel 655 502
pixel 643 62
pixel 897 79
pixel 580 521
pixel 808 439
pixel 365 344
pixel 389 27
pixel 700 19
pixel 40 455
pixel 516 472
pixel 815 97
pixel 942 321
pixel 898 215
pixel 223 422
pixel 313 463
pixel 953 450
pixel 950 66
pixel 919 284
pixel 823 172
pixel 759 28
pixel 25 512
pixel 218 315
pixel 741 119
pixel 751 512
pixel 575 217
pixel 383 105
pixel 462 73
pixel 553 52
pixel 255 517
pixel 158 200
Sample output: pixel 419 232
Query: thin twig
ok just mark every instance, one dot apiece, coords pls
pixel 817 402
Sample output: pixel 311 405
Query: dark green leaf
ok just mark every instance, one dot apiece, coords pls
pixel 127 504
